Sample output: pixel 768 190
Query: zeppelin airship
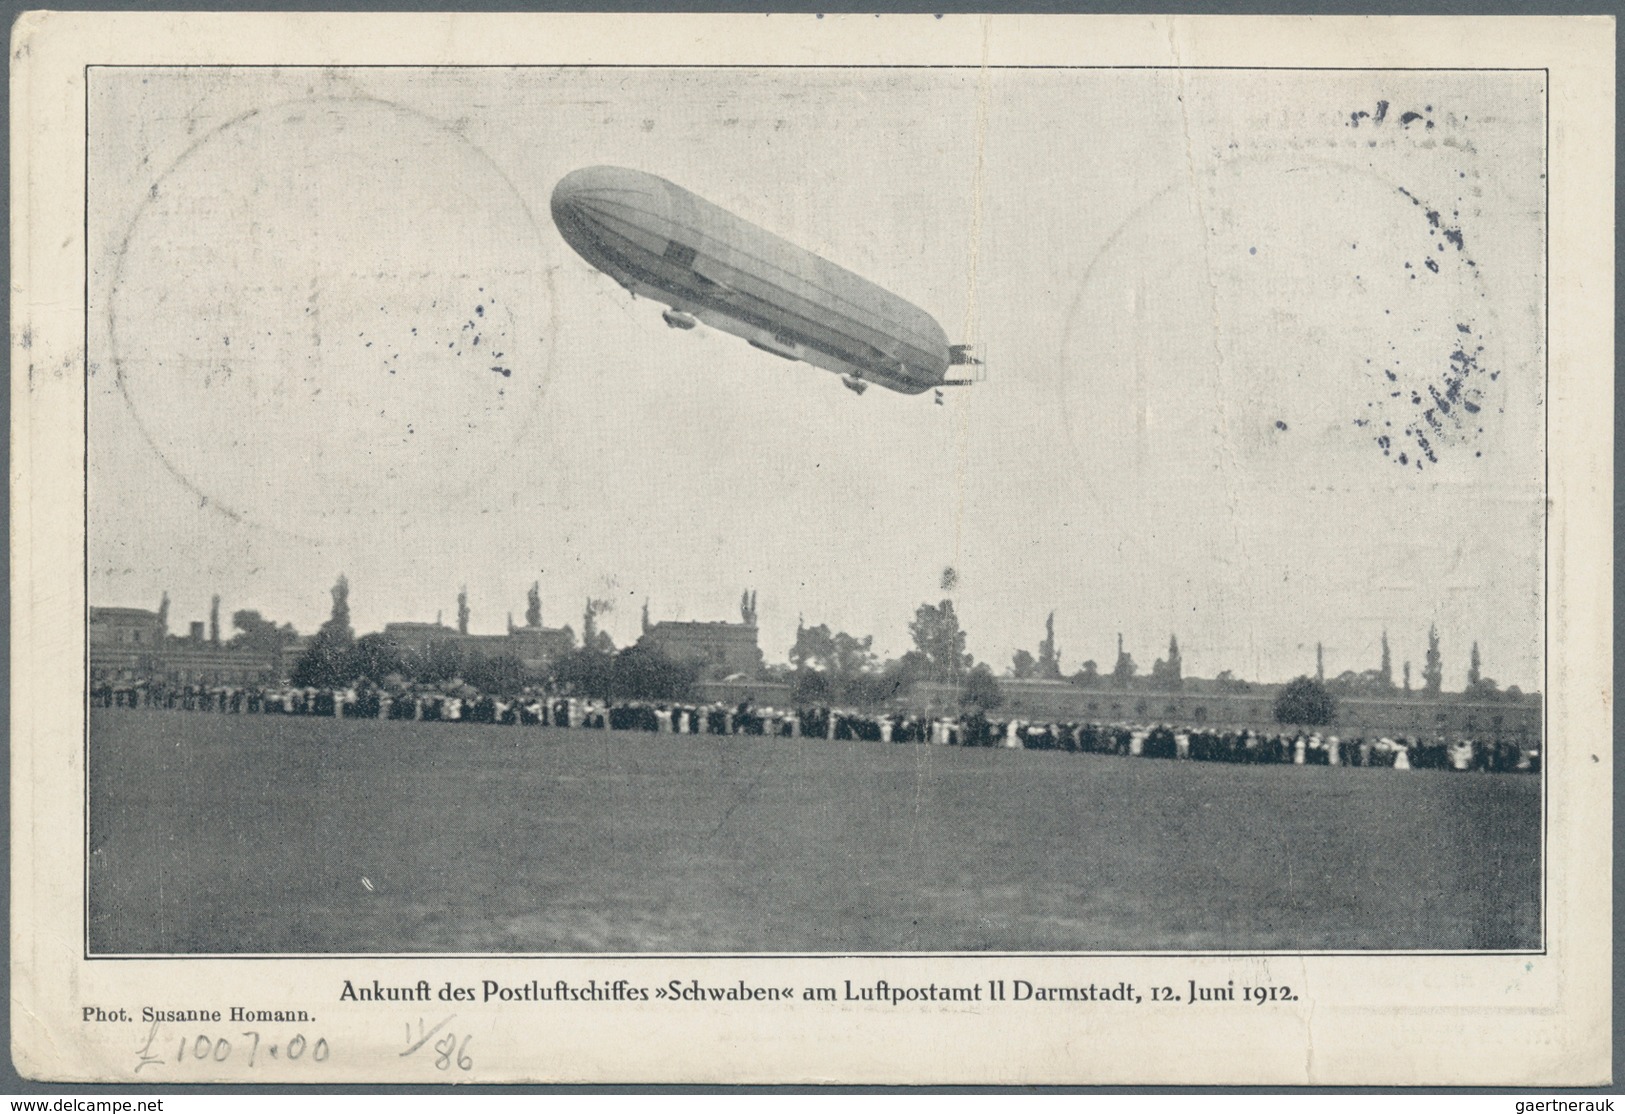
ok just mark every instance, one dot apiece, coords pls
pixel 664 243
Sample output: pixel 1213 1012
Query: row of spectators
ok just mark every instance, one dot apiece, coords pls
pixel 973 729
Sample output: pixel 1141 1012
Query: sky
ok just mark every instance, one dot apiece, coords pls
pixel 1264 357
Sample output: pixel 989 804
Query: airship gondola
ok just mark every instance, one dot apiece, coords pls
pixel 668 245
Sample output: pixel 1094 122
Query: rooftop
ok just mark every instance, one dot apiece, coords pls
pixel 123 613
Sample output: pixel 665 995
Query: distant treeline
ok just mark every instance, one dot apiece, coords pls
pixel 825 666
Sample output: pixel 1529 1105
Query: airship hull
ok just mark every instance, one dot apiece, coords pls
pixel 668 245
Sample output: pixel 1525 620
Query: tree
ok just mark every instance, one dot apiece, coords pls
pixel 592 638
pixel 894 680
pixel 260 634
pixel 1320 663
pixel 338 623
pixel 1433 667
pixel 1088 675
pixel 1169 674
pixel 838 660
pixel 462 610
pixel 1022 665
pixel 533 605
pixel 814 649
pixel 643 672
pixel 500 673
pixel 1229 682
pixel 1305 701
pixel 747 608
pixel 1407 676
pixel 1123 672
pixel 1479 686
pixel 853 655
pixel 328 661
pixel 1386 670
pixel 940 641
pixel 163 614
pixel 647 625
pixel 325 664
pixel 1350 683
pixel 837 653
pixel 874 689
pixel 442 661
pixel 809 687
pixel 214 620
pixel 375 657
pixel 1048 665
pixel 981 690
pixel 587 671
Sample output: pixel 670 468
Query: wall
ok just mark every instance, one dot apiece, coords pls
pixel 1398 715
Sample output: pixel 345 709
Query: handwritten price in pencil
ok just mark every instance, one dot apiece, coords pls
pixel 249 1048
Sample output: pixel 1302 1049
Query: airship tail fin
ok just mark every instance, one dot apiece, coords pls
pixel 962 355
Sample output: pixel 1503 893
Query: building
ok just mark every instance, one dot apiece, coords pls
pixel 123 642
pixel 723 649
pixel 187 662
pixel 130 644
pixel 535 647
pixel 416 638
pixel 292 651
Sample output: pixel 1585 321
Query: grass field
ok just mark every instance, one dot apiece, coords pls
pixel 254 834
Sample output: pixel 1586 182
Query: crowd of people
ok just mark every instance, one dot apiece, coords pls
pixel 532 707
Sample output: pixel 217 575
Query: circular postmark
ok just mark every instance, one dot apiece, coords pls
pixel 330 312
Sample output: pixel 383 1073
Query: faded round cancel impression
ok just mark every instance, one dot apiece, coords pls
pixel 1370 291
pixel 332 311
pixel 1281 354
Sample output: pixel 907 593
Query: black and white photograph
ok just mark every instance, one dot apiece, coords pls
pixel 787 549
pixel 754 510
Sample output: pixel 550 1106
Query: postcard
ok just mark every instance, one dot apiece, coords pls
pixel 799 549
